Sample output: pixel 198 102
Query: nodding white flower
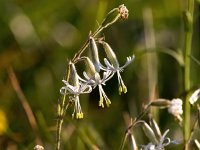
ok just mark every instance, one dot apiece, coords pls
pixel 74 88
pixel 194 97
pixel 94 79
pixel 175 107
pixel 163 142
pixel 113 65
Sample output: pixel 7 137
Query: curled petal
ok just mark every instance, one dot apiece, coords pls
pixel 128 61
pixel 86 89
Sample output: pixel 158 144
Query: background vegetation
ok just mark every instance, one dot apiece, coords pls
pixel 38 37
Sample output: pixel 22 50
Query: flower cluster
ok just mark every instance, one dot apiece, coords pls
pixel 97 75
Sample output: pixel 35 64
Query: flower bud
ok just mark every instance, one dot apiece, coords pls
pixel 90 65
pixel 110 54
pixel 73 75
pixel 94 54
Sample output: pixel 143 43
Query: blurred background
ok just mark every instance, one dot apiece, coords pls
pixel 38 37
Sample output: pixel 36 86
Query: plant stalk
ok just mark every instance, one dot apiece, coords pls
pixel 187 48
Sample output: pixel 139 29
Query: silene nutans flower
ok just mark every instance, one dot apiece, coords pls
pixel 93 79
pixel 112 64
pixel 74 88
pixel 175 107
pixel 163 142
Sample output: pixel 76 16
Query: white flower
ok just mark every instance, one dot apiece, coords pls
pixel 194 97
pixel 74 89
pixel 175 107
pixel 113 65
pixel 97 81
pixel 38 147
pixel 164 141
pixel 94 79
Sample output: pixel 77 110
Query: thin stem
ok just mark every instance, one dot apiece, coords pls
pixel 101 28
pixel 187 47
pixel 61 114
pixel 124 140
pixel 132 124
pixel 24 102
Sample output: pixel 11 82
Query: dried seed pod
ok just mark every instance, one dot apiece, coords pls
pixel 123 11
pixel 94 54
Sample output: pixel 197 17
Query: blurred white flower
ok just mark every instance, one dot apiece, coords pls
pixel 164 141
pixel 38 147
pixel 175 107
pixel 194 97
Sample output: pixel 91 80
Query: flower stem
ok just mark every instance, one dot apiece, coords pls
pixel 187 48
pixel 61 113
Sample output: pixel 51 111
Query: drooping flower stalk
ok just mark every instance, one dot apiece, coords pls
pixel 75 85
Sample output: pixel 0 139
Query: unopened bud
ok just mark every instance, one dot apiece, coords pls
pixel 91 67
pixel 73 75
pixel 110 54
pixel 94 54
